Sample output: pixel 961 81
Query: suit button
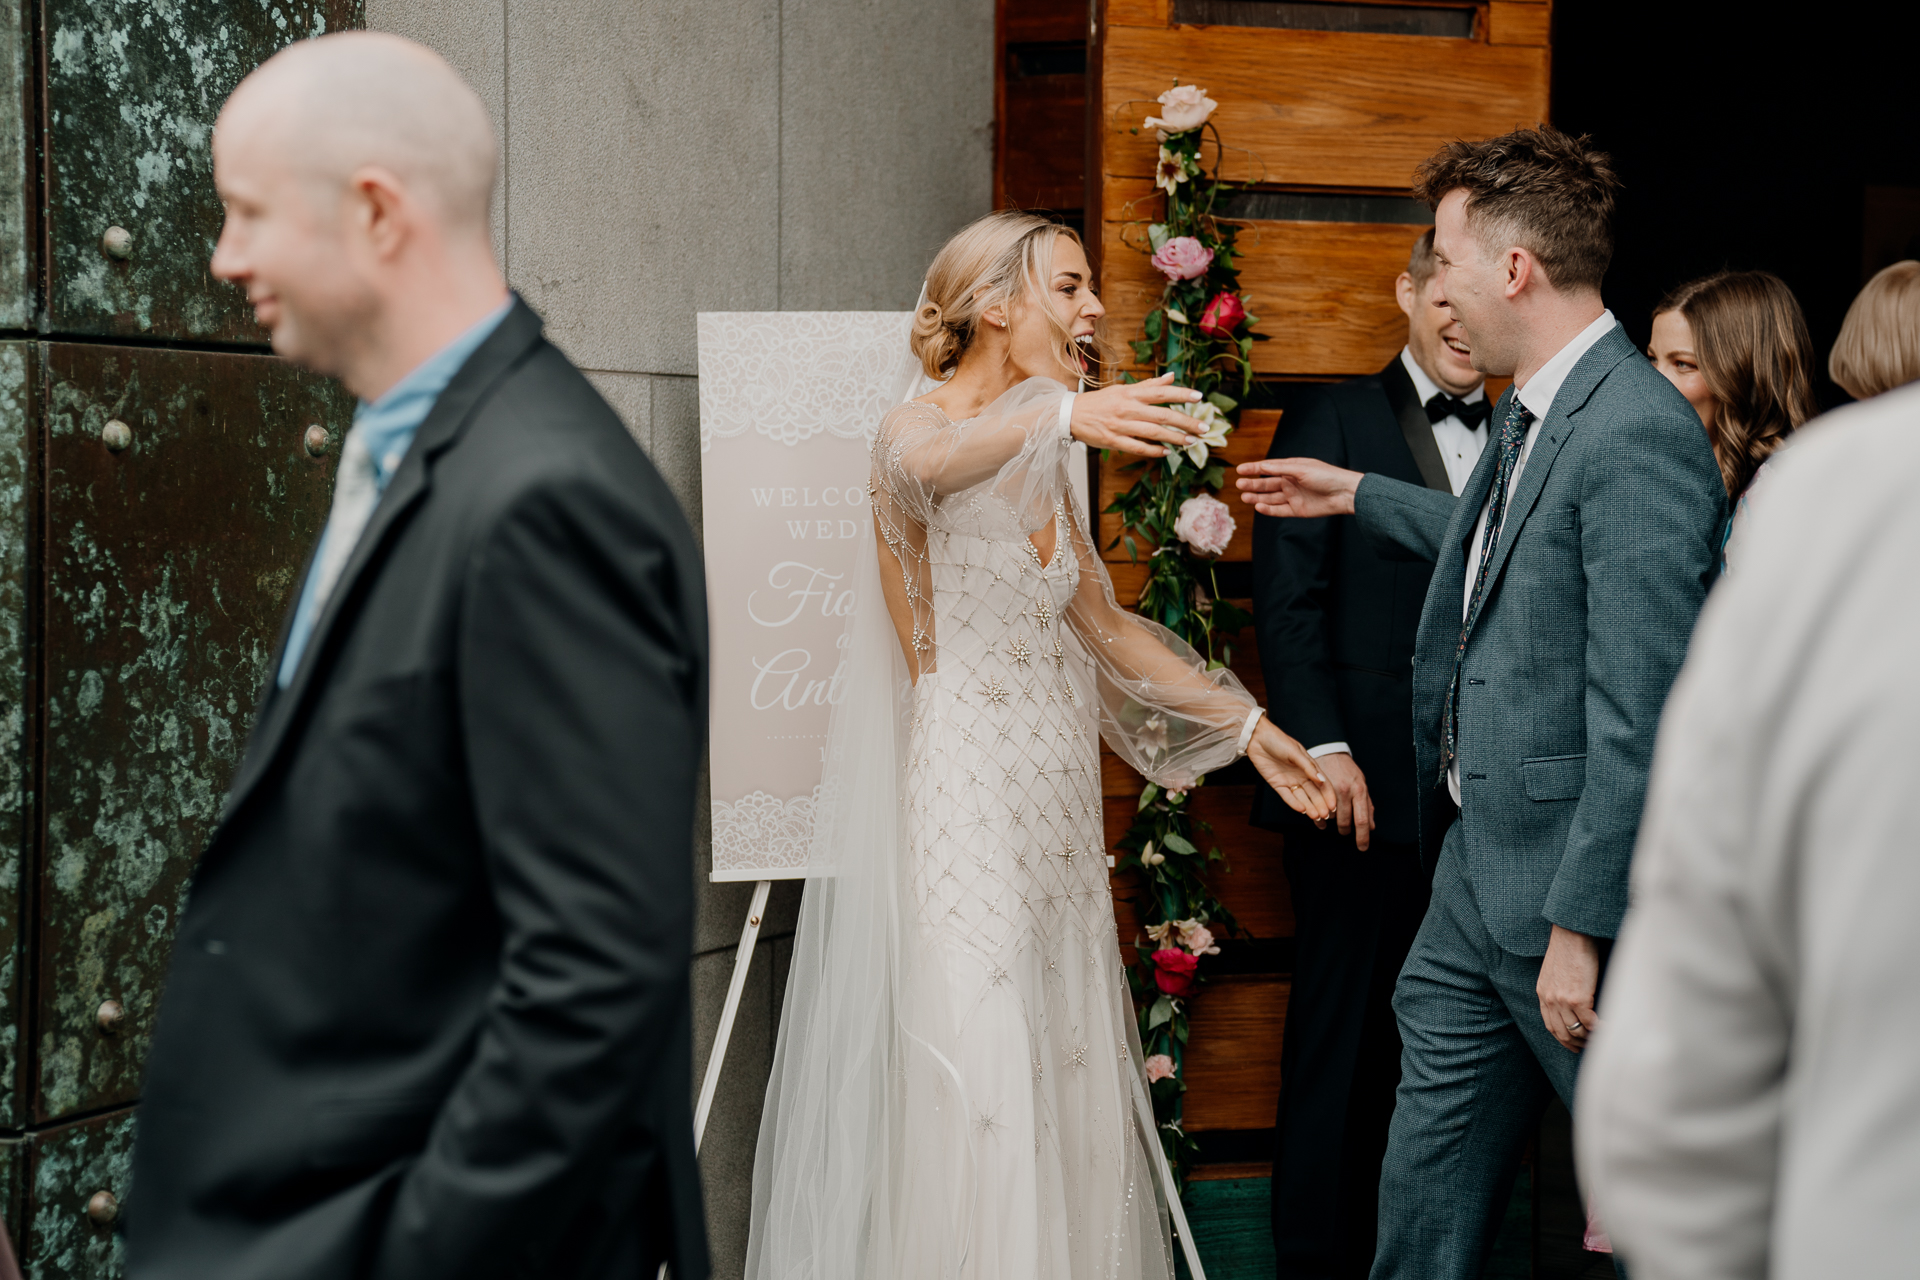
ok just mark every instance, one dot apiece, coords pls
pixel 103 1208
pixel 110 1015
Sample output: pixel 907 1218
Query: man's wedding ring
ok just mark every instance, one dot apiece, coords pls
pixel 1575 1026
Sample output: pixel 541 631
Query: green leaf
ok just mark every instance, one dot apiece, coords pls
pixel 1147 796
pixel 1156 235
pixel 1225 404
pixel 1162 1011
pixel 1178 843
pixel 1180 1031
pixel 1142 351
pixel 1152 325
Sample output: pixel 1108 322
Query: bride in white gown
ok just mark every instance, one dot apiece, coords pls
pixel 958 1089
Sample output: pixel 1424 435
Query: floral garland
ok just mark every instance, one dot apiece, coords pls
pixel 1201 332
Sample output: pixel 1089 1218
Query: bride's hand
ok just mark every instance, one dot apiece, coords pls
pixel 1128 417
pixel 1290 771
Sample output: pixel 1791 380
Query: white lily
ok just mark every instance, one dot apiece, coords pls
pixel 1215 435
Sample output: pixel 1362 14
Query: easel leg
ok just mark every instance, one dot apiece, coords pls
pixel 742 959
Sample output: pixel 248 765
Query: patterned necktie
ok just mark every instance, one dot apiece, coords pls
pixel 1513 438
pixel 356 490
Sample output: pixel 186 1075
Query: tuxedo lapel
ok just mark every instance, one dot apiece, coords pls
pixel 1587 375
pixel 490 362
pixel 1415 426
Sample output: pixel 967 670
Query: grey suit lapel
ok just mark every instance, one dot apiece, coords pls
pixel 1414 425
pixel 1580 384
pixel 484 368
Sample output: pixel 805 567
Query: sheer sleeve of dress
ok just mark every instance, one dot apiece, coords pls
pixel 1160 709
pixel 997 475
pixel 1002 475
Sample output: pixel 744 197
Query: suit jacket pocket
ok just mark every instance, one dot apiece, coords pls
pixel 368 1130
pixel 1554 777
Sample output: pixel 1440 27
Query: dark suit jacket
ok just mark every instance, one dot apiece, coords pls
pixel 1610 542
pixel 1335 617
pixel 428 1014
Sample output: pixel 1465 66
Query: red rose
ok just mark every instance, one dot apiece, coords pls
pixel 1222 315
pixel 1174 971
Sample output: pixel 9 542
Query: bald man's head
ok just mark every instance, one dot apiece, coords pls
pixel 356 171
pixel 343 102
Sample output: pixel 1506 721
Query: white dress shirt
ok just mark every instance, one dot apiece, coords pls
pixel 1537 396
pixel 1460 447
pixel 1460 444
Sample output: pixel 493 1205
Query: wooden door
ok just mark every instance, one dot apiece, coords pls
pixel 1326 109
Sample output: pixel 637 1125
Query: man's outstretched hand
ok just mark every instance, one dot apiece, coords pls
pixel 1297 487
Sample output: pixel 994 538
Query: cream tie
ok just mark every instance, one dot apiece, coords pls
pixel 356 490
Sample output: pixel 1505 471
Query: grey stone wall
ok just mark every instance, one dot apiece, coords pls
pixel 660 159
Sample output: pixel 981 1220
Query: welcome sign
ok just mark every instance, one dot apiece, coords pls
pixel 788 403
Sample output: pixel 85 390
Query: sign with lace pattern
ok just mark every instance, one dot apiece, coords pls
pixel 788 403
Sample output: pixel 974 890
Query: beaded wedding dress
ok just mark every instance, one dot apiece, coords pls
pixel 958 1089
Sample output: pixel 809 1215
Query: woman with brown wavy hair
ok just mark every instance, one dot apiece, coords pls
pixel 1736 346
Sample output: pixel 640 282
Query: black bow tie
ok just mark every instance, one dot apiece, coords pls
pixel 1445 406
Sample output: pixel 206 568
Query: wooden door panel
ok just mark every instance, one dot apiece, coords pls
pixel 1233 1054
pixel 1255 889
pixel 1317 107
pixel 1519 22
pixel 1323 292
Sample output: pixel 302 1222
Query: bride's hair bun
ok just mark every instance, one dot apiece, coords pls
pixel 934 340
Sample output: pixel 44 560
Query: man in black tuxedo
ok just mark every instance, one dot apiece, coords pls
pixel 1336 613
pixel 428 1016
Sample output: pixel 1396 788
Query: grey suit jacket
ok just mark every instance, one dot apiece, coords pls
pixel 1608 549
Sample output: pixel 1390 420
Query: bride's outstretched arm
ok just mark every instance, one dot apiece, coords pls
pixel 1031 424
pixel 1164 713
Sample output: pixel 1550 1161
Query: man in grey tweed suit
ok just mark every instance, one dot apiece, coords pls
pixel 1567 577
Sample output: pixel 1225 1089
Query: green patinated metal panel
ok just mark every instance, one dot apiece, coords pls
pixel 16 263
pixel 169 566
pixel 133 88
pixel 66 1168
pixel 19 364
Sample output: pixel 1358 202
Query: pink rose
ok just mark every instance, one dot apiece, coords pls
pixel 1205 524
pixel 1182 107
pixel 1183 258
pixel 1159 1067
pixel 1197 938
pixel 1222 315
pixel 1174 971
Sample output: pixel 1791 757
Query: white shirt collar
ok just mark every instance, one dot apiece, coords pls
pixel 1426 388
pixel 1543 386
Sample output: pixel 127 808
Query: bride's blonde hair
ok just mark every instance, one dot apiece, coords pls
pixel 991 262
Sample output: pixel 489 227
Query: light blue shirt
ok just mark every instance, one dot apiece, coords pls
pixel 388 426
